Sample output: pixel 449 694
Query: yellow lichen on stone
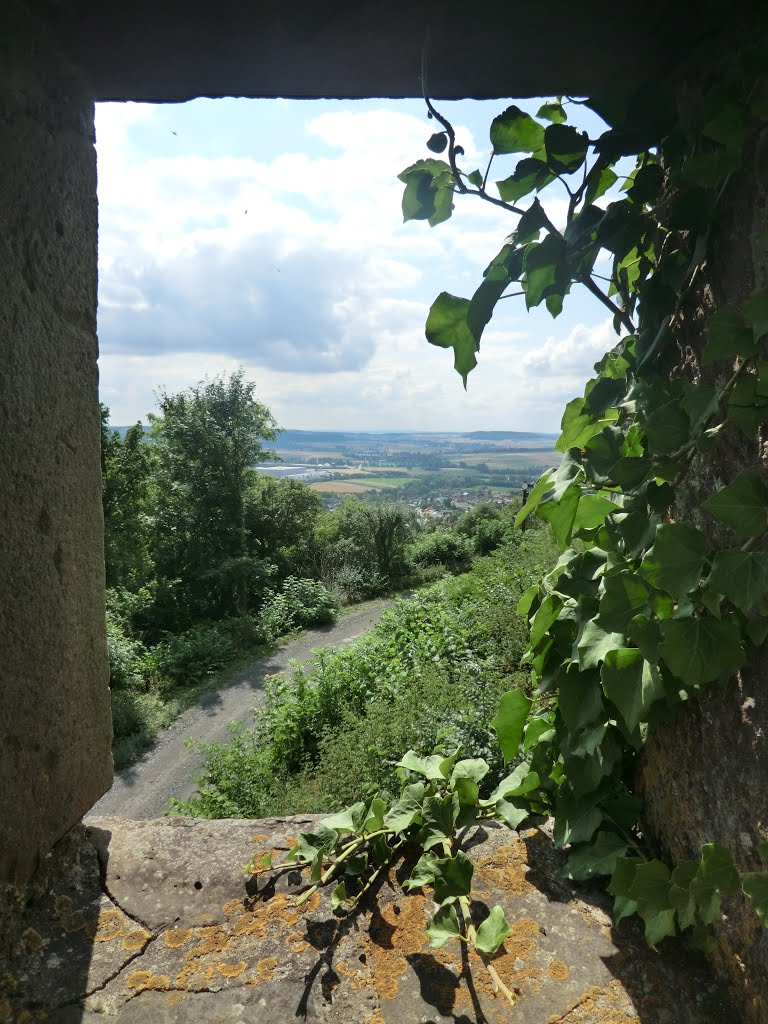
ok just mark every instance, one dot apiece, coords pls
pixel 230 970
pixel 175 938
pixel 8 983
pixel 5 1011
pixel 107 926
pixel 557 970
pixel 505 869
pixel 73 922
pixel 175 997
pixel 136 940
pixel 296 942
pixel 265 970
pixel 62 904
pixel 146 981
pixel 397 933
pixel 259 838
pixel 31 940
pixel 32 1017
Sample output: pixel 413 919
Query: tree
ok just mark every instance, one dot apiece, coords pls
pixel 280 518
pixel 127 467
pixel 208 442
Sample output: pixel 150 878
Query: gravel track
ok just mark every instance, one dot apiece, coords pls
pixel 166 769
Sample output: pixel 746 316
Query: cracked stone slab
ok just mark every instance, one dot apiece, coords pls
pixel 219 946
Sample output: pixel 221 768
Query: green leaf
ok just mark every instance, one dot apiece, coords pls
pixel 514 131
pixel 439 816
pixel 553 112
pixel 476 179
pixel 625 594
pixel 376 812
pixel 339 896
pixel 536 731
pixel 545 615
pixel 755 885
pixel 355 866
pixel 742 505
pixel 729 335
pixel 530 224
pixel 620 884
pixel 430 767
pixel 525 602
pixel 711 168
pixel 443 926
pixel 529 175
pixel 700 650
pixel 542 262
pixel 667 429
pixel 651 885
pixel 756 308
pixel 561 514
pixel 428 194
pixel 676 560
pixel 580 699
pixel 577 426
pixel 597 858
pixel 513 815
pixel 717 870
pixel 540 488
pixel 741 576
pixel 509 722
pixel 407 809
pixel 632 684
pixel 566 147
pixel 595 643
pixel 453 877
pixel 492 932
pixel 518 783
pixel 658 924
pixel 423 872
pixel 576 820
pixel 447 327
pixel 348 820
pixel 599 184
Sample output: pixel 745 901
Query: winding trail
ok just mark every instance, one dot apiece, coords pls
pixel 166 769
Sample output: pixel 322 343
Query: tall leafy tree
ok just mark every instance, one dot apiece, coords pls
pixel 208 441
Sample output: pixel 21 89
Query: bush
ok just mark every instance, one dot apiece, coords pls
pixel 300 604
pixel 136 719
pixel 128 665
pixel 187 658
pixel 442 548
pixel 428 675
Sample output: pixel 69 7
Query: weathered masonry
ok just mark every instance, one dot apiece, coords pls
pixel 706 776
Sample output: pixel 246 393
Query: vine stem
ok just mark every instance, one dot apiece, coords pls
pixel 471 934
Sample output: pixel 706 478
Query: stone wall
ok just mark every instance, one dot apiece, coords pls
pixel 55 727
pixel 705 773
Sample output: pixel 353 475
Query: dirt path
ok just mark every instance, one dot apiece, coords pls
pixel 166 770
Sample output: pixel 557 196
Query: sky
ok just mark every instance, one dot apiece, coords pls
pixel 268 234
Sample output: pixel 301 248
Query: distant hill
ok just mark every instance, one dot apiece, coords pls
pixel 506 435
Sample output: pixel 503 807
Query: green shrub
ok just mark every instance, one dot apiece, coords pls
pixel 301 603
pixel 429 675
pixel 188 657
pixel 128 666
pixel 136 719
pixel 442 548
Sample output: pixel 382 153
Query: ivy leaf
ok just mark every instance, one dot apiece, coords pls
pixel 742 505
pixel 429 767
pixel 717 870
pixel 566 147
pixel 476 179
pixel 756 308
pixel 453 877
pixel 597 858
pixel 668 428
pixel 591 512
pixel 595 643
pixel 553 112
pixel 492 932
pixel 542 262
pixel 625 594
pixel 580 699
pixel 561 514
pixel 700 650
pixel 348 820
pixel 513 815
pixel 518 783
pixel 339 896
pixel 428 194
pixel 676 560
pixel 531 223
pixel 529 175
pixel 576 820
pixel 651 885
pixel 620 884
pixel 658 924
pixel 509 722
pixel 599 184
pixel 514 131
pixel 631 683
pixel 540 488
pixel 741 576
pixel 376 812
pixel 443 926
pixel 647 635
pixel 729 335
pixel 439 816
pixel 447 327
pixel 423 872
pixel 755 885
pixel 407 809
